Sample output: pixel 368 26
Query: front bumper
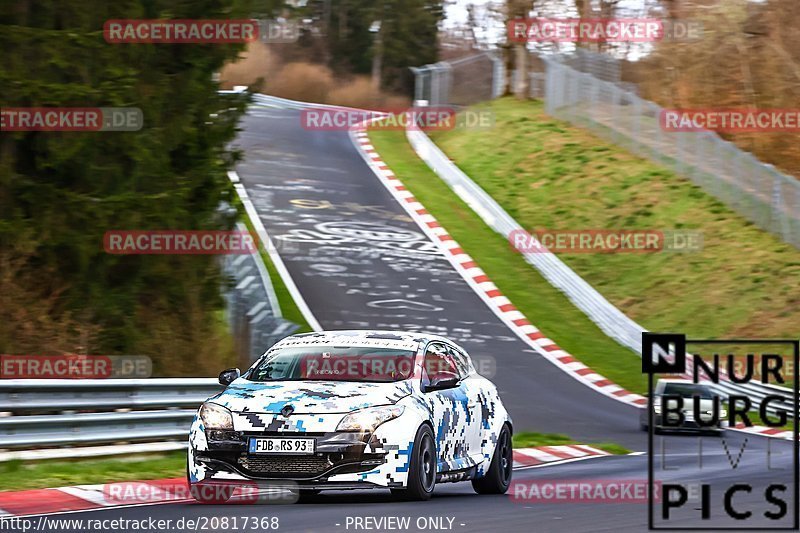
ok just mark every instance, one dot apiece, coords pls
pixel 335 453
pixel 341 459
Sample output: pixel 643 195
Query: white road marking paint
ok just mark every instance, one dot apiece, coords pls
pixel 283 272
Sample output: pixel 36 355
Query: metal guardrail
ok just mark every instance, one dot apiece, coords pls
pixel 94 428
pixel 29 396
pixel 757 392
pixel 111 412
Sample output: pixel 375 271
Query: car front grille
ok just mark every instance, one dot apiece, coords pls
pixel 285 464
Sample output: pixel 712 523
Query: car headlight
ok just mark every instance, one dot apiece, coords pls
pixel 657 408
pixel 367 420
pixel 215 416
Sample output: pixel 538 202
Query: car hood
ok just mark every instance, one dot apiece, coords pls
pixel 308 396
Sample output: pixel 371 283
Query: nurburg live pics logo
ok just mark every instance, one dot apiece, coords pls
pixel 736 504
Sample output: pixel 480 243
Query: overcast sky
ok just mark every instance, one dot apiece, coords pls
pixel 492 28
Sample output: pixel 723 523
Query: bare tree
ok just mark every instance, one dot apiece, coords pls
pixel 748 56
pixel 517 9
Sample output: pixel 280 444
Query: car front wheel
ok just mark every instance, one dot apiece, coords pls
pixel 497 479
pixel 422 469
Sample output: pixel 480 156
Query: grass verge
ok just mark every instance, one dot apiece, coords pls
pixel 529 439
pixel 18 475
pixel 289 308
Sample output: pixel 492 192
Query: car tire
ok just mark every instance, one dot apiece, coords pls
pixel 497 479
pixel 421 469
pixel 307 495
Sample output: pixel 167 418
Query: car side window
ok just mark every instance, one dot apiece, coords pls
pixel 438 363
pixel 461 362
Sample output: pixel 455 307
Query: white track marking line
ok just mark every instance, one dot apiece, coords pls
pixel 277 261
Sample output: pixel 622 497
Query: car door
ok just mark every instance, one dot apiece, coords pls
pixel 471 385
pixel 449 406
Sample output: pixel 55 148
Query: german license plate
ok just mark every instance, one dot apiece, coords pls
pixel 266 445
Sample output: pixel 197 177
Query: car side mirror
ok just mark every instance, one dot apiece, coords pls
pixel 446 381
pixel 227 376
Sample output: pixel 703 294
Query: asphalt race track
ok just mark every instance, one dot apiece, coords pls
pixel 359 262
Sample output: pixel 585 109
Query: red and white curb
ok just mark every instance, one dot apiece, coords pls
pixel 765 431
pixel 481 283
pixel 525 457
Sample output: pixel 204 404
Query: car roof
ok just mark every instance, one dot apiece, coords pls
pixel 409 340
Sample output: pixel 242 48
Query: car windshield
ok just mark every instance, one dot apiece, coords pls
pixel 335 363
pixel 688 390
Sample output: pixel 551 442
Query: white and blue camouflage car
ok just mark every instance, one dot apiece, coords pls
pixel 354 409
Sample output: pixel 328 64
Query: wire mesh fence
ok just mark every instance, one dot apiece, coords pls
pixel 756 190
pixel 463 81
pixel 586 88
